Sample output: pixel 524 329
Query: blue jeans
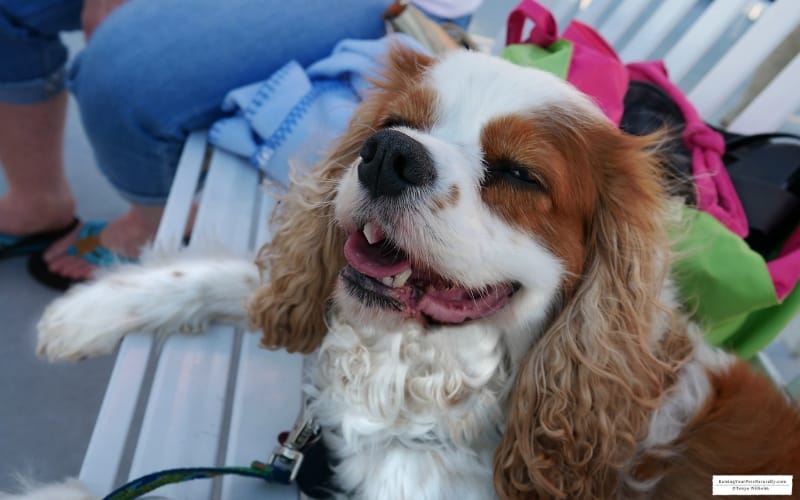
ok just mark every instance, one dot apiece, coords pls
pixel 32 57
pixel 155 70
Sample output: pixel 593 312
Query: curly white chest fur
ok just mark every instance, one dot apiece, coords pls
pixel 410 414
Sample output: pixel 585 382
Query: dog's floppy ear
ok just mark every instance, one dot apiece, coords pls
pixel 300 265
pixel 584 393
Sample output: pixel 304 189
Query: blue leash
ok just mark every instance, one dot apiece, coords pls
pixel 282 466
pixel 150 482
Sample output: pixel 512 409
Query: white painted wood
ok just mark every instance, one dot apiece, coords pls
pixel 770 369
pixel 701 36
pixel 182 425
pixel 770 109
pixel 594 11
pixel 746 54
pixel 562 10
pixel 227 205
pixel 791 337
pixel 621 19
pixel 660 24
pixel 115 418
pixel 182 193
pixel 266 400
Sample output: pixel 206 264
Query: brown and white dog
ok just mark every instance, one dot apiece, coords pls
pixel 482 269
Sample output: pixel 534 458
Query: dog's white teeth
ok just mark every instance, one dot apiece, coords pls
pixel 398 280
pixel 401 278
pixel 372 233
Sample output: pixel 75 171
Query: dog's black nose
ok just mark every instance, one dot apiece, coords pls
pixel 392 161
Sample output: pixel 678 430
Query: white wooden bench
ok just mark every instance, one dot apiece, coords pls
pixel 198 400
pixel 218 398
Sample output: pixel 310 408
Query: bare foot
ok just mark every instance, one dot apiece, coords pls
pixel 70 266
pixel 124 236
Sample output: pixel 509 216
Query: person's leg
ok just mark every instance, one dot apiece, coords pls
pixel 155 71
pixel 32 113
pixel 31 145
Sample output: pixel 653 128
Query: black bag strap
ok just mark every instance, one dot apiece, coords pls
pixel 765 170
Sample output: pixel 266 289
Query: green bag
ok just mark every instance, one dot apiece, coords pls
pixel 728 286
pixel 554 59
pixel 742 301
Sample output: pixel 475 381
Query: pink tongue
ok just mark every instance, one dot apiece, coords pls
pixel 456 306
pixel 376 261
pixel 452 306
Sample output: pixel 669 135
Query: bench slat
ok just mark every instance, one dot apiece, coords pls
pixel 106 448
pixel 657 27
pixel 266 400
pixel 114 423
pixel 181 195
pixel 740 61
pixel 562 10
pixel 594 12
pixel 623 17
pixel 182 425
pixel 701 36
pixel 770 109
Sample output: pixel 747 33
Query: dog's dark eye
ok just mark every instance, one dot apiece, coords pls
pixel 513 172
pixel 396 121
pixel 519 174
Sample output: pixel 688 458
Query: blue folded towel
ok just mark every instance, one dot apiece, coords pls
pixel 290 119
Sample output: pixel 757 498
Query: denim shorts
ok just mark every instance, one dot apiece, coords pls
pixel 155 70
pixel 33 57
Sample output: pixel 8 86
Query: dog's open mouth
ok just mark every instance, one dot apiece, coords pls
pixel 381 274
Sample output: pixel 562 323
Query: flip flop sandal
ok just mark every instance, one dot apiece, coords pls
pixel 15 246
pixel 87 246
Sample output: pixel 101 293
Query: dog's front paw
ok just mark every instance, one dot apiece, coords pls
pixel 183 295
pixel 84 323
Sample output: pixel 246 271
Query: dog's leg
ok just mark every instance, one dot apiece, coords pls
pixel 179 296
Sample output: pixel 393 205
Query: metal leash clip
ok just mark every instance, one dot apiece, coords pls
pixel 289 454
